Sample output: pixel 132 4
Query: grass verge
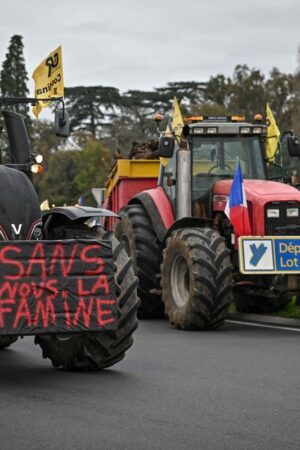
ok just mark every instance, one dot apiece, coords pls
pixel 291 310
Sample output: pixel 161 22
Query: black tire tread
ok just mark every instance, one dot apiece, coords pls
pixel 144 248
pixel 93 351
pixel 210 267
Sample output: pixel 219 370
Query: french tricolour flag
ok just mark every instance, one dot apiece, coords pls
pixel 236 207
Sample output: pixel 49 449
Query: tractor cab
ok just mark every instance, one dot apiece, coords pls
pixel 215 145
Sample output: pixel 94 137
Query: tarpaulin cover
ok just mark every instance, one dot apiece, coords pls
pixel 56 287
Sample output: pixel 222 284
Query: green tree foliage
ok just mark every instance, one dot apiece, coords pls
pixel 73 173
pixel 187 92
pixel 246 91
pixel 279 90
pixel 44 142
pixel 217 90
pixel 13 76
pixel 57 184
pixel 92 108
pixel 295 110
pixel 95 161
pixel 13 83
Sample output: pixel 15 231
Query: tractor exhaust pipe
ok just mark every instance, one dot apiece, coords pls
pixel 183 184
pixel 17 136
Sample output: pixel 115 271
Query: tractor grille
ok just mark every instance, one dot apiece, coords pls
pixel 281 224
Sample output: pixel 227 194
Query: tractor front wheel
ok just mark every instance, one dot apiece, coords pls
pixel 196 279
pixel 93 351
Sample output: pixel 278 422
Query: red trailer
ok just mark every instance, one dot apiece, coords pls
pixel 127 179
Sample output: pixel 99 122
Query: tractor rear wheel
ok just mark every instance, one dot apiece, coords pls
pixel 196 279
pixel 93 351
pixel 6 341
pixel 136 231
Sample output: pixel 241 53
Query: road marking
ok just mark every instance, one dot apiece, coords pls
pixel 252 324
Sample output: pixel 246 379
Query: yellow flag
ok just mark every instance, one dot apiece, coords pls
pixel 177 121
pixel 273 135
pixel 177 125
pixel 49 80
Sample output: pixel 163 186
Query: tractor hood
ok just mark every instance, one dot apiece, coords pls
pixel 258 194
pixel 261 191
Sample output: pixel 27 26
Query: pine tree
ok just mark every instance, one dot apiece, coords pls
pixel 13 76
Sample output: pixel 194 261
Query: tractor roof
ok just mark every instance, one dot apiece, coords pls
pixel 211 125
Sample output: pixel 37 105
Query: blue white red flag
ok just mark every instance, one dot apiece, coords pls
pixel 236 207
pixel 81 201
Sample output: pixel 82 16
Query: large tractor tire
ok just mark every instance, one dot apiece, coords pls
pixel 196 279
pixel 93 351
pixel 6 341
pixel 136 231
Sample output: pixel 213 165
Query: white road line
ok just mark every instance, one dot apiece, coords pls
pixel 262 325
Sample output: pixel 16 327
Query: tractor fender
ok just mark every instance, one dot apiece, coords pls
pixel 159 209
pixel 79 214
pixel 186 222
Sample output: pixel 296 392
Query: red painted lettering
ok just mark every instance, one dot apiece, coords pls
pixel 51 286
pixel 86 312
pixel 37 259
pixel 81 291
pixel 4 310
pixel 24 290
pixel 101 283
pixel 22 311
pixel 11 289
pixel 101 313
pixel 92 260
pixel 45 312
pixel 59 256
pixel 6 260
pixel 39 289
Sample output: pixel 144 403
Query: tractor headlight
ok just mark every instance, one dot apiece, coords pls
pixel 245 130
pixel 198 130
pixel 292 212
pixel 257 130
pixel 211 130
pixel 39 159
pixel 272 213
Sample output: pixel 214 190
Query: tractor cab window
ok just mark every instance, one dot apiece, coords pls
pixel 217 157
pixel 169 178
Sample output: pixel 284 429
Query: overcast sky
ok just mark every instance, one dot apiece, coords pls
pixel 138 44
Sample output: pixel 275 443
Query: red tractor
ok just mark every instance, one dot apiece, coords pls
pixel 184 248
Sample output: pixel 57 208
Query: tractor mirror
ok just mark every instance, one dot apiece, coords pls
pixel 62 128
pixel 293 145
pixel 166 147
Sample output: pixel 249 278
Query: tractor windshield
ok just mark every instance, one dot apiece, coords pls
pixel 220 155
pixel 215 157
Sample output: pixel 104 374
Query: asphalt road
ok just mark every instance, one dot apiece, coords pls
pixel 236 388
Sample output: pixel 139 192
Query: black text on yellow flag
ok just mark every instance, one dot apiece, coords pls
pixel 49 80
